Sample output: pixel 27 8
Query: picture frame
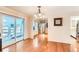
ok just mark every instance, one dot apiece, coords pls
pixel 58 22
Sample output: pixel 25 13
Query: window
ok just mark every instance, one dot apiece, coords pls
pixel 8 30
pixel 19 29
pixel 74 23
pixel 12 29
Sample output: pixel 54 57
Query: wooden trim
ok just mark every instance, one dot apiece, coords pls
pixel 73 37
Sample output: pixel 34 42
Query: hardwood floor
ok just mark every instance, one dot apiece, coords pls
pixel 27 46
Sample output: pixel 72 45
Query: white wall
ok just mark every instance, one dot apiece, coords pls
pixel 27 28
pixel 59 33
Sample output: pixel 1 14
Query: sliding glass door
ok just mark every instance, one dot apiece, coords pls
pixel 8 30
pixel 19 29
pixel 12 30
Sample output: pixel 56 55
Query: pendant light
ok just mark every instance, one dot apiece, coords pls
pixel 39 16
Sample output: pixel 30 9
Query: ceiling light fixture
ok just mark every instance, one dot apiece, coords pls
pixel 39 16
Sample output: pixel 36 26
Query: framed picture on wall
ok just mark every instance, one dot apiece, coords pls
pixel 58 22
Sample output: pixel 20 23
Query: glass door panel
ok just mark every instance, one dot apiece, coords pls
pixel 19 29
pixel 35 28
pixel 8 30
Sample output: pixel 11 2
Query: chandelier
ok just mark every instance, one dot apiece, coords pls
pixel 39 16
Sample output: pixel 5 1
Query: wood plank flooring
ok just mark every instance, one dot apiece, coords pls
pixel 27 46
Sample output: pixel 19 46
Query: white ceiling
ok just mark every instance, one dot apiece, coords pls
pixel 48 10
